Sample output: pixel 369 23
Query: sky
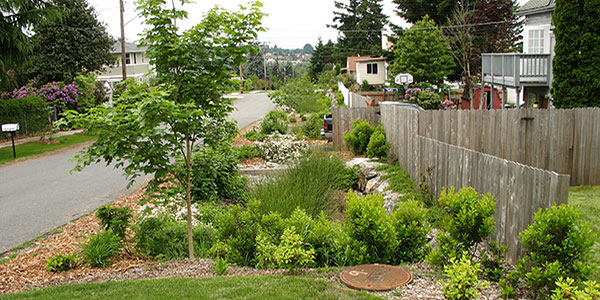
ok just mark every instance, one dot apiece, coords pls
pixel 289 23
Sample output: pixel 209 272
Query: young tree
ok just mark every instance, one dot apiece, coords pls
pixel 147 128
pixel 423 52
pixel 461 39
pixel 576 65
pixel 360 23
pixel 75 44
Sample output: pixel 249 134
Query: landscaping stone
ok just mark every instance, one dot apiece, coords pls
pixel 370 182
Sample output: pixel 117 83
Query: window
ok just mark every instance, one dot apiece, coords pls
pixel 372 68
pixel 536 41
pixel 127 59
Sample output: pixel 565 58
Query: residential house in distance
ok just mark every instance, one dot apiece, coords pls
pixel 138 65
pixel 371 69
pixel 529 74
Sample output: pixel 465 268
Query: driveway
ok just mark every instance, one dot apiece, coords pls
pixel 40 195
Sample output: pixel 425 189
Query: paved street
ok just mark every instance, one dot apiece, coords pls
pixel 39 195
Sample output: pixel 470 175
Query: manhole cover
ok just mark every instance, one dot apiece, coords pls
pixel 375 277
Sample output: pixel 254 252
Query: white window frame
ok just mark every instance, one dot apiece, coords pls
pixel 372 68
pixel 536 41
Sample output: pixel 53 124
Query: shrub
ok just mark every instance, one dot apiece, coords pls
pixel 281 148
pixel 215 175
pixel 255 136
pixel 309 184
pixel 311 129
pixel 468 222
pixel 492 261
pixel 220 266
pixel 61 263
pixel 412 231
pixel 292 120
pixel 164 237
pixel 299 94
pixel 237 229
pixel 327 238
pixel 557 244
pixel 290 253
pixel 246 151
pixel 114 218
pixel 371 234
pixel 567 290
pixel 427 99
pixel 30 112
pixel 378 147
pixel 90 92
pixel 274 121
pixel 303 118
pixel 462 283
pixel 359 138
pixel 101 248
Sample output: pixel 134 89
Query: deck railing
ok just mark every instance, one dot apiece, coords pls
pixel 513 69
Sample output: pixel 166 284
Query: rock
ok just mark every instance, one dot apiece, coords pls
pixel 371 175
pixel 390 201
pixel 364 163
pixel 383 187
pixel 371 185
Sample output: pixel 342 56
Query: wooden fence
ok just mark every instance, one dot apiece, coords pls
pixel 566 141
pixel 357 100
pixel 343 117
pixel 519 190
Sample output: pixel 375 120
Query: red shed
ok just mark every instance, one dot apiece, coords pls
pixel 495 104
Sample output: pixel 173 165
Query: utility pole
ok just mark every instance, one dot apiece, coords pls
pixel 265 67
pixel 123 62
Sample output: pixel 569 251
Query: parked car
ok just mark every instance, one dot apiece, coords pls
pixel 327 130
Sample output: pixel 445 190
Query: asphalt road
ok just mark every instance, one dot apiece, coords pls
pixel 40 195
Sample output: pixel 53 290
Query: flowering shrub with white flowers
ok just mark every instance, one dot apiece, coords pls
pixel 282 148
pixel 173 206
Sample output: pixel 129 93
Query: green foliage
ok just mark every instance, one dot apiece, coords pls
pixel 322 59
pixel 398 179
pixel 114 218
pixel 89 92
pixel 576 76
pixel 30 112
pixel 310 184
pixel 100 248
pixel 290 253
pixel 468 222
pixel 359 23
pixel 412 231
pixel 492 261
pixel 378 147
pixel 299 94
pixel 358 139
pixel 220 266
pixel 76 43
pixel 462 283
pixel 164 237
pixel 61 263
pixel 303 118
pixel 274 121
pixel 245 152
pixel 293 120
pixel 370 232
pixel 311 129
pixel 215 174
pixel 424 53
pixel 557 244
pixel 255 135
pixel 237 229
pixel 565 289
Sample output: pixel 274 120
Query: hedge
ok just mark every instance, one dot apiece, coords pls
pixel 30 112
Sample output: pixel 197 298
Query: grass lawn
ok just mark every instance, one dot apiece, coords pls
pixel 251 287
pixel 587 198
pixel 34 148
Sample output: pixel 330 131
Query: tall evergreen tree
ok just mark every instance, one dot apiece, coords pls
pixel 360 23
pixel 576 65
pixel 323 55
pixel 414 10
pixel 77 43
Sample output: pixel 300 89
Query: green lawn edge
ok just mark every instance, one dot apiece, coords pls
pixel 34 148
pixel 587 200
pixel 242 287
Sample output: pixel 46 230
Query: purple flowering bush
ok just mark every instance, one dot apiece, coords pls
pixel 427 99
pixel 449 104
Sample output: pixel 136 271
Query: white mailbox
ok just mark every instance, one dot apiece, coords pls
pixel 10 127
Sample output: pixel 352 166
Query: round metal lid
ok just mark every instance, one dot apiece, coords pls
pixel 375 277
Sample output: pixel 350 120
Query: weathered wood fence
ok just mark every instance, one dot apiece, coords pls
pixel 357 100
pixel 566 141
pixel 342 118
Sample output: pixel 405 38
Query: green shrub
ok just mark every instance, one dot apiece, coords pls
pixel 114 218
pixel 370 231
pixel 30 112
pixel 378 147
pixel 303 118
pixel 164 237
pixel 208 212
pixel 216 176
pixel 237 228
pixel 90 92
pixel 274 121
pixel 246 151
pixel 293 120
pixel 327 238
pixel 255 135
pixel 220 266
pixel 492 261
pixel 398 179
pixel 289 253
pixel 309 184
pixel 462 283
pixel 567 290
pixel 299 94
pixel 557 244
pixel 412 231
pixel 339 98
pixel 101 248
pixel 311 129
pixel 468 222
pixel 359 138
pixel 61 263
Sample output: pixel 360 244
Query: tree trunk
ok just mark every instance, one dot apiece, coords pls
pixel 188 195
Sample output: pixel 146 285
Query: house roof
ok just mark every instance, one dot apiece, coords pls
pixel 351 62
pixel 365 59
pixel 535 6
pixel 129 48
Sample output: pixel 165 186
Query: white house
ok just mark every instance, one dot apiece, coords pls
pixel 529 74
pixel 138 65
pixel 371 69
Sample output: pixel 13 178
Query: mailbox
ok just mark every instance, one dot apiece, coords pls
pixel 10 127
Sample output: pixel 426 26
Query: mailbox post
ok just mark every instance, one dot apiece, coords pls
pixel 12 128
